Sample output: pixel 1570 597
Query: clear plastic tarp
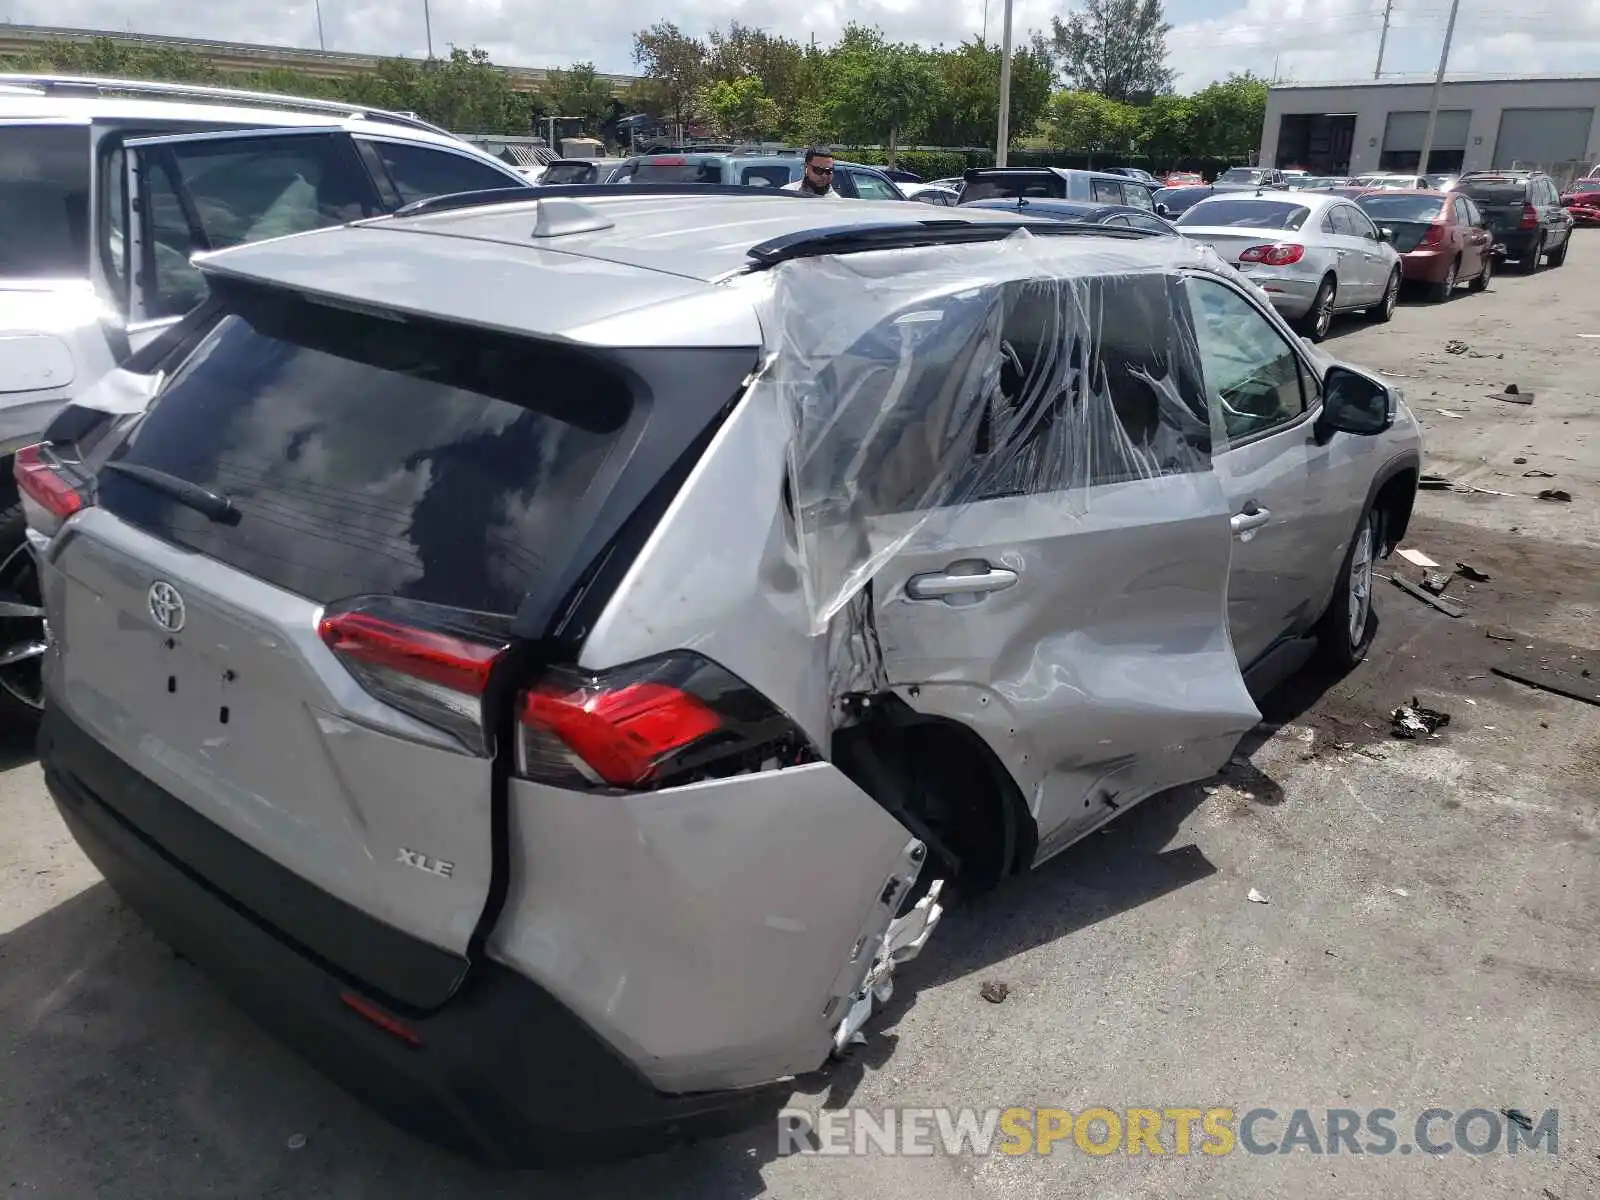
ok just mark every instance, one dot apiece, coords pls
pixel 922 380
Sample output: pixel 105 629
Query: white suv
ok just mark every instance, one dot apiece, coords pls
pixel 106 188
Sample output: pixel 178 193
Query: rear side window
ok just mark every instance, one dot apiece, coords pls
pixel 375 457
pixel 870 187
pixel 1103 191
pixel 420 172
pixel 1495 189
pixel 1008 185
pixel 678 170
pixel 772 175
pixel 44 201
pixel 569 173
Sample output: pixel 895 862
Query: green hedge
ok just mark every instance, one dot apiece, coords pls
pixel 938 164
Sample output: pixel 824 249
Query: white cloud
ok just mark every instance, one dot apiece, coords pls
pixel 1325 39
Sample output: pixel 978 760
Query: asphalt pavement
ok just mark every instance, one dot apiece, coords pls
pixel 1427 938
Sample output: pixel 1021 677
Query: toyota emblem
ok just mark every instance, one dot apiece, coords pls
pixel 166 606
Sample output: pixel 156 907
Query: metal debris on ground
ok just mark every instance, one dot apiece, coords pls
pixel 1412 721
pixel 1468 571
pixel 1512 394
pixel 1433 483
pixel 1538 474
pixel 994 991
pixel 1519 461
pixel 1402 893
pixel 1483 491
pixel 1436 581
pixel 1559 495
pixel 1445 412
pixel 1450 608
pixel 1456 346
pixel 1256 897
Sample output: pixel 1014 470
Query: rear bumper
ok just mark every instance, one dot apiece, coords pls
pixel 1517 243
pixel 1426 266
pixel 501 1072
pixel 1291 295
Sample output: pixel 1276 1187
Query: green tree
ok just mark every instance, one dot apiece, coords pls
pixel 968 112
pixel 1092 124
pixel 1116 48
pixel 1166 129
pixel 1226 118
pixel 740 107
pixel 579 92
pixel 675 63
pixel 882 91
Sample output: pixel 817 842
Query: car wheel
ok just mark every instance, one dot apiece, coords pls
pixel 1531 263
pixel 1446 287
pixel 1346 629
pixel 1480 281
pixel 1556 257
pixel 22 643
pixel 1384 309
pixel 1319 317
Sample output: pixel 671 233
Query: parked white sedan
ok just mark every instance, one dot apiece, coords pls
pixel 1313 255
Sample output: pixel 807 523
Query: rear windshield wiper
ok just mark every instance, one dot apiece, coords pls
pixel 209 504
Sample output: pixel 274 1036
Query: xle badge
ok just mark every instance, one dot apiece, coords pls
pixel 433 866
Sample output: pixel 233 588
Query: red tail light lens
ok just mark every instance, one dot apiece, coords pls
pixel 1274 256
pixel 1530 217
pixel 39 479
pixel 665 721
pixel 429 662
pixel 1434 236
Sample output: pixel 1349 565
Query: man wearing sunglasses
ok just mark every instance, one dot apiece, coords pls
pixel 818 177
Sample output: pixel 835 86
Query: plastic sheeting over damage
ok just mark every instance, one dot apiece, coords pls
pixel 920 380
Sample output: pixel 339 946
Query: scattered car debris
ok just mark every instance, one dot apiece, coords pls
pixel 1256 897
pixel 1456 346
pixel 1450 608
pixel 1433 483
pixel 994 991
pixel 1513 395
pixel 1519 460
pixel 1417 558
pixel 1551 667
pixel 1412 721
pixel 1559 495
pixel 1445 412
pixel 1468 571
pixel 1501 635
pixel 1436 581
pixel 1538 474
pixel 1402 893
pixel 1517 1117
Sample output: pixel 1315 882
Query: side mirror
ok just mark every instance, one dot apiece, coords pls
pixel 1163 211
pixel 1386 235
pixel 1353 403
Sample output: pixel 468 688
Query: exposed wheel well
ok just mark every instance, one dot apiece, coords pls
pixel 1395 500
pixel 8 483
pixel 941 780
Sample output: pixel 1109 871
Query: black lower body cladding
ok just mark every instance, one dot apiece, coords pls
pixel 502 1072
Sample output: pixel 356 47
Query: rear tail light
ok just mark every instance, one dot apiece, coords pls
pixel 1274 256
pixel 1530 217
pixel 429 662
pixel 39 479
pixel 1434 236
pixel 668 720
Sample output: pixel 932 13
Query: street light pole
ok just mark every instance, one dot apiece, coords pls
pixel 427 25
pixel 1003 134
pixel 1383 38
pixel 322 42
pixel 1438 82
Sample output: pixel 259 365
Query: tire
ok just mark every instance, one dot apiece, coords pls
pixel 1319 317
pixel 21 693
pixel 1480 281
pixel 1531 264
pixel 1556 257
pixel 1383 312
pixel 1443 289
pixel 1346 630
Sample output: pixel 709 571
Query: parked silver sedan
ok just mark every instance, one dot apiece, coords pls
pixel 1313 255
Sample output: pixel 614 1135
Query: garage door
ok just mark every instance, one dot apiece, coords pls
pixel 1542 136
pixel 1405 130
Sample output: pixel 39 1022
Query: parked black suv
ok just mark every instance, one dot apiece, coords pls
pixel 1524 212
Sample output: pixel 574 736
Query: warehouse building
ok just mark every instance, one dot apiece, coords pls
pixel 1483 124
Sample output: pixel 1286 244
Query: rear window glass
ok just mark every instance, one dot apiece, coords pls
pixel 1247 214
pixel 1010 185
pixel 44 201
pixel 770 175
pixel 1402 208
pixel 1494 191
pixel 678 170
pixel 569 173
pixel 1241 175
pixel 375 457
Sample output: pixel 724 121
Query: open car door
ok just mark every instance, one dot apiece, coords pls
pixel 1011 480
pixel 195 192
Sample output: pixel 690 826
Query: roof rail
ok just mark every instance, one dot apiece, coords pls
pixel 939 231
pixel 536 191
pixel 85 85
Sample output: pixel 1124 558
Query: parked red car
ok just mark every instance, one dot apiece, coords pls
pixel 1182 179
pixel 1582 200
pixel 1442 238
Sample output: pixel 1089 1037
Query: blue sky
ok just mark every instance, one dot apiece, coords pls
pixel 1326 40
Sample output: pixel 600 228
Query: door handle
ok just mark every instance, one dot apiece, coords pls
pixel 960 579
pixel 1245 523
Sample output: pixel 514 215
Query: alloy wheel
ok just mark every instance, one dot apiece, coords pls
pixel 1391 296
pixel 22 632
pixel 1360 584
pixel 1324 312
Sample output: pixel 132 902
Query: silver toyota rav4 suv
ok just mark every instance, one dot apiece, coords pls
pixel 551 660
pixel 106 188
